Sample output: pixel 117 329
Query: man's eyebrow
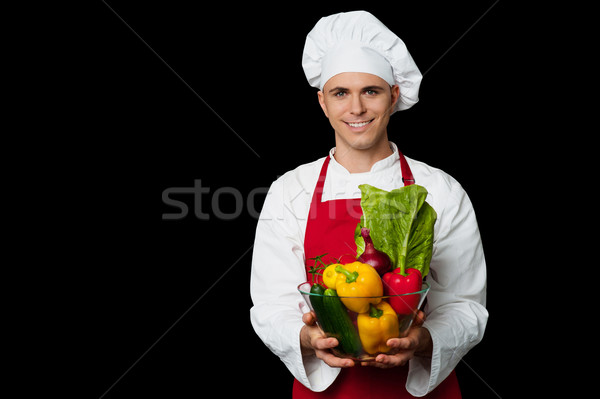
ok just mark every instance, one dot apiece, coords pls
pixel 373 87
pixel 338 88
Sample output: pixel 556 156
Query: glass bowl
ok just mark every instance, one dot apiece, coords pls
pixel 362 336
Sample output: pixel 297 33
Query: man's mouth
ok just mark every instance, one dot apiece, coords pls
pixel 359 124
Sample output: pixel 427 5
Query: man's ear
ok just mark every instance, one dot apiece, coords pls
pixel 322 103
pixel 395 94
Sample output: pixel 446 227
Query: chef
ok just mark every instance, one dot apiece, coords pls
pixel 364 74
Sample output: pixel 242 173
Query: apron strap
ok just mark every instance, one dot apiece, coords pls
pixel 316 199
pixel 407 177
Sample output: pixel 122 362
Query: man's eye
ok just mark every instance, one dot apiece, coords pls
pixel 371 92
pixel 340 94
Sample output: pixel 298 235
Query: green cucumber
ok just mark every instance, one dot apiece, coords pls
pixel 340 324
pixel 316 300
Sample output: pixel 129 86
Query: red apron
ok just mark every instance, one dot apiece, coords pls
pixel 330 229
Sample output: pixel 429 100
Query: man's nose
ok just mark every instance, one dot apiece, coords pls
pixel 357 106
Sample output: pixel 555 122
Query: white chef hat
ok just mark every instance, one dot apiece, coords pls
pixel 358 42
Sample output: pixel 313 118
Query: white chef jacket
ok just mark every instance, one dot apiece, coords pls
pixel 455 309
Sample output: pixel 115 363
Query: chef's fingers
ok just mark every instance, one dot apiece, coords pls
pixel 419 319
pixel 320 342
pixel 407 343
pixel 322 346
pixel 310 337
pixel 309 318
pixel 333 360
pixel 399 359
pixel 388 361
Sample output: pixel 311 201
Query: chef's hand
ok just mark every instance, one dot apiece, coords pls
pixel 312 340
pixel 417 342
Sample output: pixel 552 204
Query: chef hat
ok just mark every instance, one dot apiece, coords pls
pixel 358 42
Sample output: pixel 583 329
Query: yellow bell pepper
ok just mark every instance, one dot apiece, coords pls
pixel 330 276
pixel 376 326
pixel 360 282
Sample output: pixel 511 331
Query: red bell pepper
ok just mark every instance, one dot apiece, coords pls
pixel 395 283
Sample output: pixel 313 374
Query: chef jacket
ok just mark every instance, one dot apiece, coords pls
pixel 455 307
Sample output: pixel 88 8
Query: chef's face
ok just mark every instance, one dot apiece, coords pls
pixel 358 106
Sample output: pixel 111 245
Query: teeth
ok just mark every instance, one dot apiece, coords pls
pixel 360 124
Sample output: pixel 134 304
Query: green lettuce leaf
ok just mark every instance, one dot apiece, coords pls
pixel 401 225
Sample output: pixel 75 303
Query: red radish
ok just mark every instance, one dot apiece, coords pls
pixel 378 259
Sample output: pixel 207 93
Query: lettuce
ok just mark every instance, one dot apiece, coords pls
pixel 401 225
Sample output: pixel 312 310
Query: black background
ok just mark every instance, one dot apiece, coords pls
pixel 155 314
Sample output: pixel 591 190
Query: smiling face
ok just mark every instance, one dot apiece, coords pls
pixel 358 106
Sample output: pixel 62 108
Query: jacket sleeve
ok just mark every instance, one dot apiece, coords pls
pixel 277 270
pixel 455 309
